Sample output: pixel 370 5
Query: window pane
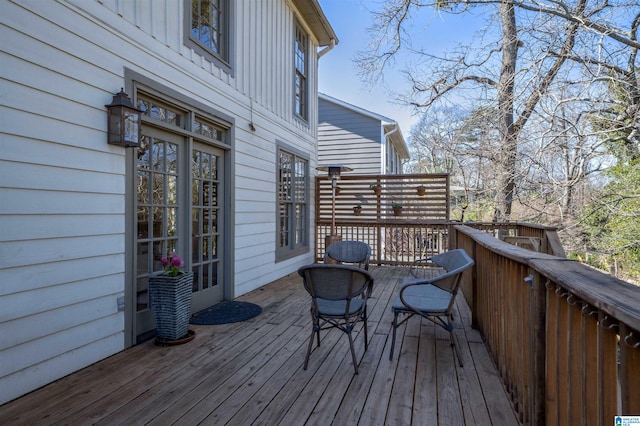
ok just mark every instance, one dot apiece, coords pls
pixel 143 222
pixel 301 178
pixel 158 189
pixel 157 155
pixel 172 158
pixel 284 225
pixel 300 81
pixel 165 113
pixel 286 161
pixel 157 223
pixel 143 187
pixel 208 130
pixel 143 153
pixel 207 23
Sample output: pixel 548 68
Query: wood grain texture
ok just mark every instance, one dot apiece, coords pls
pixel 251 373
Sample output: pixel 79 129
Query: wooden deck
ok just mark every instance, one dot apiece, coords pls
pixel 251 373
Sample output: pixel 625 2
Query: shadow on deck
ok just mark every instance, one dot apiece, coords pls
pixel 251 373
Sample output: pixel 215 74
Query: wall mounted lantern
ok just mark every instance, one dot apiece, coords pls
pixel 123 125
pixel 333 170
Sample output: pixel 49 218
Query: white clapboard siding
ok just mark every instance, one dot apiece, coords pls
pixel 34 227
pixel 63 188
pixel 32 327
pixel 57 297
pixel 39 177
pixel 32 277
pixel 46 140
pixel 37 375
pixel 19 201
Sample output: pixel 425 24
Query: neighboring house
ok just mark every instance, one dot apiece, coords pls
pixel 228 93
pixel 367 142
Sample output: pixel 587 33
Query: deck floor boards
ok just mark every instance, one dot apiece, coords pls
pixel 251 373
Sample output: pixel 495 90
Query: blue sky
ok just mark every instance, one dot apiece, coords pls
pixel 350 20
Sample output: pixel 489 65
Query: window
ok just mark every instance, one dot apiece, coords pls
pixel 293 204
pixel 207 25
pixel 157 110
pixel 393 163
pixel 301 79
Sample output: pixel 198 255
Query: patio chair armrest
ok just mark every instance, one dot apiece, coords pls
pixel 416 263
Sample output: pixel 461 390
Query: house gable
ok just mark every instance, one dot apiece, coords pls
pixel 356 137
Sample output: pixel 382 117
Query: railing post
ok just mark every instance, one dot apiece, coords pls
pixel 474 287
pixel 453 237
pixel 538 315
pixel 629 370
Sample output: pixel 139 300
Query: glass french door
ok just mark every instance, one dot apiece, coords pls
pixel 206 217
pixel 178 209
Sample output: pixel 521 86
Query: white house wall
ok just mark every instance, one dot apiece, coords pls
pixel 62 214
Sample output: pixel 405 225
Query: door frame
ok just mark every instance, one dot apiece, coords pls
pixel 133 82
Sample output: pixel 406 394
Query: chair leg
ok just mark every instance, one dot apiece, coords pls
pixel 316 326
pixel 315 330
pixel 306 358
pixel 394 326
pixel 353 353
pixel 452 337
pixel 366 338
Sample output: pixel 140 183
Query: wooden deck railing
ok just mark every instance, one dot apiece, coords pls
pixel 565 337
pixel 400 241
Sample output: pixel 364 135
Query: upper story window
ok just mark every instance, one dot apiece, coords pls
pixel 207 24
pixel 301 59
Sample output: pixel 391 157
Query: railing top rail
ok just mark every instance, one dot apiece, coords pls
pixel 391 221
pixel 615 297
pixel 512 224
pixel 404 177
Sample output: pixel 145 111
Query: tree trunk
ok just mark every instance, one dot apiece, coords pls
pixel 508 136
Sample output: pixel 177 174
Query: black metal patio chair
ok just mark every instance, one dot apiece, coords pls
pixel 432 298
pixel 353 252
pixel 339 296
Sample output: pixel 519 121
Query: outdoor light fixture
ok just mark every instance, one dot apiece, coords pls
pixel 123 121
pixel 333 171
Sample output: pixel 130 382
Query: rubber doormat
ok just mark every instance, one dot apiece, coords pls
pixel 225 313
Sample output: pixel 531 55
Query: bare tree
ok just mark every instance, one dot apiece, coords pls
pixel 463 144
pixel 559 157
pixel 519 68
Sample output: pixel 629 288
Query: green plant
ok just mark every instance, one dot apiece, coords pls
pixel 396 205
pixel 373 185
